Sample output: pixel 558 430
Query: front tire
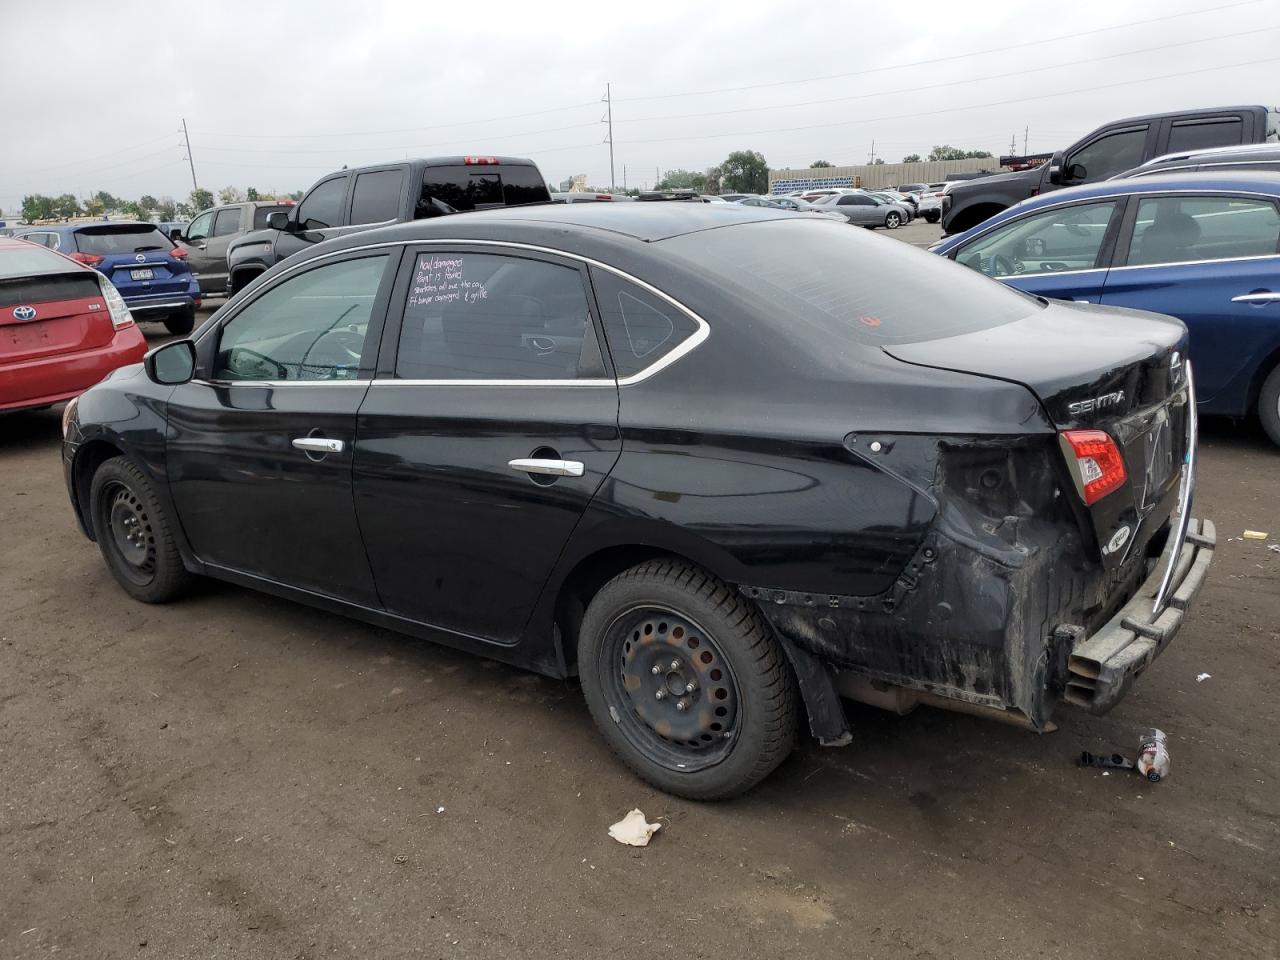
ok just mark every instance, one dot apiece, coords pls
pixel 135 534
pixel 686 681
pixel 892 220
pixel 181 322
pixel 932 217
pixel 1269 405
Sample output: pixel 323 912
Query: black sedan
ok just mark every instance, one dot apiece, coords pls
pixel 703 457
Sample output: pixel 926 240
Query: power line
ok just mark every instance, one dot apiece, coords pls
pixel 84 160
pixel 957 56
pixel 424 146
pixel 973 106
pixel 952 83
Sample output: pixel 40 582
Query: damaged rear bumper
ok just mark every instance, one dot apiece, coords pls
pixel 1102 667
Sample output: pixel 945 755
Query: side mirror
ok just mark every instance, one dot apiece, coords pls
pixel 1055 168
pixel 1076 173
pixel 171 364
pixel 278 220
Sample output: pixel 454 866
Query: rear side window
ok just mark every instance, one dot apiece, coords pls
pixel 473 316
pixel 641 328
pixel 260 215
pixel 322 207
pixel 453 189
pixel 820 284
pixel 1199 134
pixel 1178 229
pixel 376 197
pixel 226 222
pixel 125 238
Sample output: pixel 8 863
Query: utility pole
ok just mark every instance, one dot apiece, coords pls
pixel 872 158
pixel 624 178
pixel 194 186
pixel 608 99
pixel 1026 133
pixel 1013 144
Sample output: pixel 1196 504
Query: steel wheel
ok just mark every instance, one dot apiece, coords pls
pixel 130 532
pixel 682 695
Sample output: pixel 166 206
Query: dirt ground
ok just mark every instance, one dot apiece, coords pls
pixel 237 776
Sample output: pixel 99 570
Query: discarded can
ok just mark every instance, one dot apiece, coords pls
pixel 1153 756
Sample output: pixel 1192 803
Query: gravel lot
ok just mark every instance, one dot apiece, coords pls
pixel 237 776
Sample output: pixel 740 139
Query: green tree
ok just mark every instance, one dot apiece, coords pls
pixel 679 179
pixel 877 161
pixel 296 195
pixel 819 164
pixel 745 171
pixel 67 206
pixel 200 199
pixel 230 195
pixel 251 194
pixel 147 205
pixel 911 158
pixel 94 207
pixel 948 152
pixel 37 207
pixel 166 209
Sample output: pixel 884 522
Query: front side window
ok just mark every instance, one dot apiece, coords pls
pixel 475 316
pixel 376 198
pixel 1065 238
pixel 200 227
pixel 641 328
pixel 226 222
pixel 1109 154
pixel 310 327
pixel 1200 134
pixel 1180 229
pixel 323 205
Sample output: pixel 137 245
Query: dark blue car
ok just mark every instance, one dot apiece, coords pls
pixel 1203 247
pixel 149 269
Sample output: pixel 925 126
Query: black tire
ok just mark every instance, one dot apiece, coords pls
pixel 134 534
pixel 932 217
pixel 181 322
pixel 892 220
pixel 1269 405
pixel 739 718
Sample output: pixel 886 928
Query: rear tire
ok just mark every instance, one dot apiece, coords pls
pixel 933 217
pixel 1269 405
pixel 181 322
pixel 664 624
pixel 892 220
pixel 135 534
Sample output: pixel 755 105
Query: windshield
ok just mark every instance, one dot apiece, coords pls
pixel 822 279
pixel 121 238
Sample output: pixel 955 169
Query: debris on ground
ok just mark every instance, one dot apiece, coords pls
pixel 1254 535
pixel 1153 755
pixel 633 830
pixel 1202 677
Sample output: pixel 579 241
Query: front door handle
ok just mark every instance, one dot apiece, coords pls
pixel 318 445
pixel 547 468
pixel 1265 296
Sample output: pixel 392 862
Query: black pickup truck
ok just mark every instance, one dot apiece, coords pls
pixel 1107 151
pixel 375 196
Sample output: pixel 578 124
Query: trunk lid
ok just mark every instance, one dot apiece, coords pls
pixel 1093 368
pixel 51 314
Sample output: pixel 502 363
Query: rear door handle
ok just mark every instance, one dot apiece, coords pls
pixel 547 468
pixel 1265 297
pixel 318 445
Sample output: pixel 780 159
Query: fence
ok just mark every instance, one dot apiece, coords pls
pixel 875 176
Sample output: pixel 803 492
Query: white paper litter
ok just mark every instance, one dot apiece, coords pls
pixel 633 830
pixel 1202 677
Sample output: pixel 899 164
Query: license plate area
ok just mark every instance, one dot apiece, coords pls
pixel 146 273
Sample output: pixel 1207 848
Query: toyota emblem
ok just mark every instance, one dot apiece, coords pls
pixel 24 313
pixel 141 258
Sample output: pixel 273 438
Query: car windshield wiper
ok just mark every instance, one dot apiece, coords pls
pixel 144 249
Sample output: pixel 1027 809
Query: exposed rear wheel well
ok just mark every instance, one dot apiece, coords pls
pixel 89 458
pixel 242 278
pixel 584 582
pixel 972 216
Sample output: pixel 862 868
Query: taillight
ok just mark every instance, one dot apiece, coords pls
pixel 88 259
pixel 1096 462
pixel 473 161
pixel 178 253
pixel 120 315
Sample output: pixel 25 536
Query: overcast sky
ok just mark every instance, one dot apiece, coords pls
pixel 276 94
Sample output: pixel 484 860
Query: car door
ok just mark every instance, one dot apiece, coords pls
pixel 228 223
pixel 195 240
pixel 1111 152
pixel 1211 261
pixel 492 422
pixel 859 208
pixel 260 443
pixel 319 216
pixel 1059 252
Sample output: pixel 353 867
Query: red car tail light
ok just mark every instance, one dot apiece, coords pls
pixel 120 315
pixel 178 253
pixel 88 259
pixel 1098 464
pixel 473 161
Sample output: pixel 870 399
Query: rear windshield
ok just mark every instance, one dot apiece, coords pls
pixel 44 288
pixel 823 277
pixel 260 215
pixel 29 259
pixel 453 189
pixel 121 238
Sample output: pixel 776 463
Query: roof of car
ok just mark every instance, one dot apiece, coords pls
pixel 1213 153
pixel 1177 114
pixel 82 224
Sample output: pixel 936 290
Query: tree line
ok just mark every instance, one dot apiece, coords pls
pixel 37 206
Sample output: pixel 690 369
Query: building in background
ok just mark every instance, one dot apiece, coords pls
pixel 878 175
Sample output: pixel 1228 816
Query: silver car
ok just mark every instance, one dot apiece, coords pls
pixel 866 211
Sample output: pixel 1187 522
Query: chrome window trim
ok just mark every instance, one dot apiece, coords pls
pixel 1049 273
pixel 1192 263
pixel 283 383
pixel 690 343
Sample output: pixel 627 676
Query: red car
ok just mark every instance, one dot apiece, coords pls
pixel 63 327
